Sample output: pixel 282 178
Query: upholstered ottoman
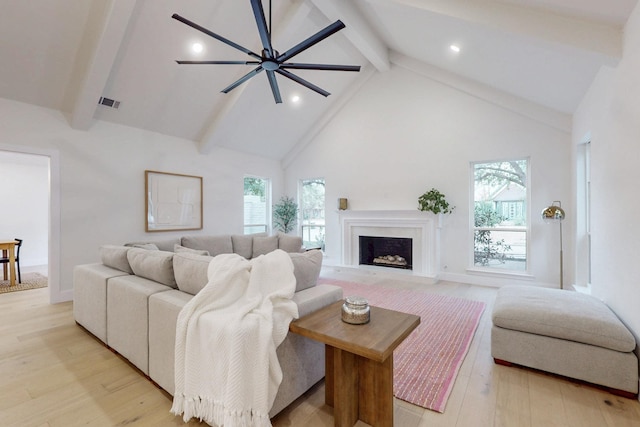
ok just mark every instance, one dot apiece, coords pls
pixel 565 333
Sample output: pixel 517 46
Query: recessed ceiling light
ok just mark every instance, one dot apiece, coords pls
pixel 197 47
pixel 295 98
pixel 455 48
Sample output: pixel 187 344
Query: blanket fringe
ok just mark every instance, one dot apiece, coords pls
pixel 214 412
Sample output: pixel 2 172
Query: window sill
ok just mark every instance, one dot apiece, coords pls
pixel 491 272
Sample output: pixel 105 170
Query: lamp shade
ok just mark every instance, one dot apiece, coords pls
pixel 553 213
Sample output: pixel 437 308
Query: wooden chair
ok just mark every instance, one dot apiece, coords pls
pixel 4 260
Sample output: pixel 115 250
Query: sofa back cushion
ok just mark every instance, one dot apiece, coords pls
pixel 215 245
pixel 306 268
pixel 289 243
pixel 243 245
pixel 191 271
pixel 153 265
pixel 262 245
pixel 115 257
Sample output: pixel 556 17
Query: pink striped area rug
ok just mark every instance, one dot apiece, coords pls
pixel 427 362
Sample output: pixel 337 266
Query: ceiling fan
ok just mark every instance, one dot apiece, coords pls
pixel 271 61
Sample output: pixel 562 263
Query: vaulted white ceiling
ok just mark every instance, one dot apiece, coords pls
pixel 66 54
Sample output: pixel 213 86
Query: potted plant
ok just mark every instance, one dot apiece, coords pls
pixel 285 214
pixel 434 201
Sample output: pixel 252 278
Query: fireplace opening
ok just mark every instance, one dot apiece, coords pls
pixel 394 252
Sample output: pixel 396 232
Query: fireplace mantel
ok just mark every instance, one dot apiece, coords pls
pixel 422 227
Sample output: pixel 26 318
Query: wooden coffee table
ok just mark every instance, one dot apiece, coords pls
pixel 359 361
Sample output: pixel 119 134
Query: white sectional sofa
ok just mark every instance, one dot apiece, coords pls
pixel 131 301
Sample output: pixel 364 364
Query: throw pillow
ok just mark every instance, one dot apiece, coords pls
pixel 152 265
pixel 163 245
pixel 178 248
pixel 264 245
pixel 306 268
pixel 191 271
pixel 289 243
pixel 115 257
pixel 148 246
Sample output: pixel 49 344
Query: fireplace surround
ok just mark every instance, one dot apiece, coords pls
pixel 423 228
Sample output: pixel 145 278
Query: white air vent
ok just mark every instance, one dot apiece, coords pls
pixel 108 102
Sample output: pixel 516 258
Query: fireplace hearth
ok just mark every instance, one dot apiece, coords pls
pixel 393 252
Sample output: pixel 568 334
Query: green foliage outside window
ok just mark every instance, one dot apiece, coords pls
pixel 254 187
pixel 486 249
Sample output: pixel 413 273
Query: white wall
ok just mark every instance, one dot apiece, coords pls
pixel 404 133
pixel 25 204
pixel 102 179
pixel 611 113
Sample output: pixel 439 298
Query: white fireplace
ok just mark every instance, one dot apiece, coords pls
pixel 422 227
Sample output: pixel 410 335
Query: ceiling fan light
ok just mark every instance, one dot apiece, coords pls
pixel 197 48
pixel 295 99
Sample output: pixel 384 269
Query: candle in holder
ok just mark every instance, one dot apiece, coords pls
pixel 356 310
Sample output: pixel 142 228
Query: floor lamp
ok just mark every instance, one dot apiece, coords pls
pixel 555 213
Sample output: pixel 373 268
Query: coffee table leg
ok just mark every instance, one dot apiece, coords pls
pixel 328 375
pixel 345 389
pixel 376 392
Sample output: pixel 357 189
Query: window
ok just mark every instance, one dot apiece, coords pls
pixel 256 205
pixel 312 212
pixel 500 206
pixel 583 215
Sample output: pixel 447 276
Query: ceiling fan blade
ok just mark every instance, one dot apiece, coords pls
pixel 242 79
pixel 303 82
pixel 215 36
pixel 274 86
pixel 327 67
pixel 314 39
pixel 261 21
pixel 220 62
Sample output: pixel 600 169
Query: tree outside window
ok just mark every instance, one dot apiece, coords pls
pixel 500 214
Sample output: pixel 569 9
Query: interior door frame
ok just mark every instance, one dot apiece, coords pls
pixel 56 294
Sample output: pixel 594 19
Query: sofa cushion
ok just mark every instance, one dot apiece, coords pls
pixel 115 257
pixel 190 271
pixel 243 245
pixel 262 245
pixel 289 243
pixel 178 248
pixel 561 314
pixel 148 246
pixel 306 268
pixel 163 245
pixel 216 245
pixel 153 265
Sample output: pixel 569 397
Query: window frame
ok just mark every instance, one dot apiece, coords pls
pixel 526 229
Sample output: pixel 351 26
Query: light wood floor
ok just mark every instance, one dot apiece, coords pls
pixel 52 373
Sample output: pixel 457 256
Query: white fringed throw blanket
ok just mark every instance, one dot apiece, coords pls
pixel 226 368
